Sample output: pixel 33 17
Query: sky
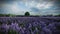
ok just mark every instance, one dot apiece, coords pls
pixel 34 7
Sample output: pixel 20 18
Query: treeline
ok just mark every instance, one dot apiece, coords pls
pixel 28 15
pixel 51 15
pixel 12 15
pixel 7 15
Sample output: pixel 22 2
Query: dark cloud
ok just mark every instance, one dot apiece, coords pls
pixel 35 9
pixel 8 1
pixel 55 8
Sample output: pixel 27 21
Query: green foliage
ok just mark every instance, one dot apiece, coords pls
pixel 0 23
pixel 58 15
pixel 27 14
pixel 12 31
pixel 7 15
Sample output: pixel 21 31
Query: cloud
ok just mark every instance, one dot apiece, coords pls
pixel 44 5
pixel 35 7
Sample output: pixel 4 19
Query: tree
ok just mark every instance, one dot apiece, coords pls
pixel 27 14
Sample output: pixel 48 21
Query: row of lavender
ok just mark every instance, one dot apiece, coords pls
pixel 29 25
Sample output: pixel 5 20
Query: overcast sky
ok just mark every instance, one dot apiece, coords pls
pixel 35 7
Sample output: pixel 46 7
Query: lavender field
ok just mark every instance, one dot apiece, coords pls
pixel 29 25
